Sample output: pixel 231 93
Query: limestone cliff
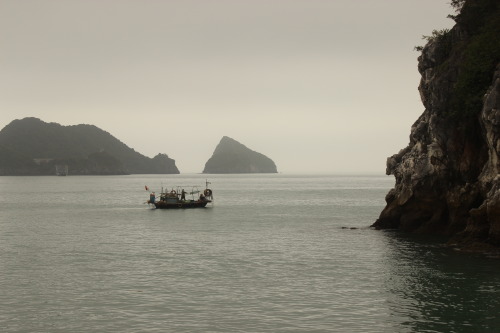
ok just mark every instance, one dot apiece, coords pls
pixel 447 179
pixel 230 156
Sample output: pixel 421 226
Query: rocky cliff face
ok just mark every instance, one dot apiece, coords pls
pixel 447 179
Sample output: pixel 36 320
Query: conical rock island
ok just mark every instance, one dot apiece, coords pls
pixel 230 156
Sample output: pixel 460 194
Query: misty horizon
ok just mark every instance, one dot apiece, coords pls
pixel 319 87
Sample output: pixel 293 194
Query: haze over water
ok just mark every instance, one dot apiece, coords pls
pixel 85 254
pixel 338 77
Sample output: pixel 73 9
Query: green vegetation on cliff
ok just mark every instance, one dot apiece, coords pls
pixel 472 49
pixel 481 20
pixel 12 163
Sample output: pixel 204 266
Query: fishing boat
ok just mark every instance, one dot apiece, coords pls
pixel 178 198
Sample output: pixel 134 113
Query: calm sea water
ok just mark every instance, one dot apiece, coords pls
pixel 85 254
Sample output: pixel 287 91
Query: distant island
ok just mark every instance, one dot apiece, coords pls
pixel 448 177
pixel 230 156
pixel 30 146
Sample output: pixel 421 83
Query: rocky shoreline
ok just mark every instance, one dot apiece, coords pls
pixel 447 178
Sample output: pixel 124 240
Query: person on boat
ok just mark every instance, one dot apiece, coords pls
pixel 202 197
pixel 152 197
pixel 183 195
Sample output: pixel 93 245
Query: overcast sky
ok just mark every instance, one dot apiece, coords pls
pixel 319 86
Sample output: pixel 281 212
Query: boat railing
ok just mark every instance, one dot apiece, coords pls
pixel 176 193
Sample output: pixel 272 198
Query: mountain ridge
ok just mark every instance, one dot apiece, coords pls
pixel 32 146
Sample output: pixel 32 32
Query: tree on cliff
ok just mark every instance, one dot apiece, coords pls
pixel 457 4
pixel 477 51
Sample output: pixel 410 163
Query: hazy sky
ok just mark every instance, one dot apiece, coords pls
pixel 319 86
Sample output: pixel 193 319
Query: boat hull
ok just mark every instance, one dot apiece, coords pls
pixel 181 205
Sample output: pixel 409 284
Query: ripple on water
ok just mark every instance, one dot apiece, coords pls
pixel 278 262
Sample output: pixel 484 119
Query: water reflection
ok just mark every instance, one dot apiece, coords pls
pixel 431 288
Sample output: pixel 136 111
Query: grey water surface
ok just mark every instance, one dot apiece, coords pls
pixel 86 254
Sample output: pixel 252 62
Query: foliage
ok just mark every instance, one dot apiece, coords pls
pixel 457 4
pixel 442 37
pixel 437 35
pixel 473 56
pixel 480 58
pixel 13 163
